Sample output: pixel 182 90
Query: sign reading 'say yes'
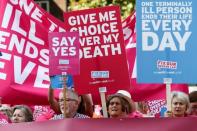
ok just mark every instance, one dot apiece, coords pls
pixel 64 53
pixel 165 40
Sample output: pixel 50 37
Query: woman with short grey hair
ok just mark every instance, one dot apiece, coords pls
pixel 179 104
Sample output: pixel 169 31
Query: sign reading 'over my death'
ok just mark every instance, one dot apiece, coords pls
pixel 166 41
pixel 102 52
pixel 64 53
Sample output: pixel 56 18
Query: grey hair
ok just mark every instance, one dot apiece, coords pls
pixel 71 94
pixel 181 95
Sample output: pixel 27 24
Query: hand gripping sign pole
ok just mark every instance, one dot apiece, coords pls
pixel 168 82
pixel 102 91
pixel 64 81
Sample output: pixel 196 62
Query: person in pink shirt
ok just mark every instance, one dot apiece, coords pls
pixel 4 119
pixel 120 105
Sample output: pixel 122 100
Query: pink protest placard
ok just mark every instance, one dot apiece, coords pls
pixel 103 60
pixel 63 53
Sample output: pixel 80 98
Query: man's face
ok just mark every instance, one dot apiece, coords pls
pixel 193 108
pixel 71 105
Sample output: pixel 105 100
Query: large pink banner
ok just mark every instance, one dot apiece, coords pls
pixel 130 42
pixel 24 62
pixel 149 124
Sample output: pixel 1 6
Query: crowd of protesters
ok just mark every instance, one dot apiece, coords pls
pixel 119 105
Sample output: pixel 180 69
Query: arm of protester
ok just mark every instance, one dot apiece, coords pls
pixel 52 101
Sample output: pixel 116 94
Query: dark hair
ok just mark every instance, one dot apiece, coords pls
pixel 126 107
pixel 193 96
pixel 85 107
pixel 26 110
pixel 81 107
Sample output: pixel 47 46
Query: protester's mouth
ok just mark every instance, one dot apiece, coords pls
pixel 114 109
pixel 16 121
pixel 178 110
pixel 62 107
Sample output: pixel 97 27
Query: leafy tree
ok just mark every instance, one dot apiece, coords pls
pixel 127 6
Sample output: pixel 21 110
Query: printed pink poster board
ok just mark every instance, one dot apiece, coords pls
pixel 63 53
pixel 102 53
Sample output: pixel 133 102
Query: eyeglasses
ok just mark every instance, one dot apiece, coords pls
pixel 112 103
pixel 67 100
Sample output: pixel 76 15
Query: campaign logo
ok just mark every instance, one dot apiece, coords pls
pixel 62 62
pixel 166 64
pixel 99 74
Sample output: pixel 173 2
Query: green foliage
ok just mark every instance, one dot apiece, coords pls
pixel 126 6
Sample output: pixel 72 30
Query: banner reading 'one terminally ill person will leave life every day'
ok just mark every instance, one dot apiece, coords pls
pixel 102 52
pixel 166 41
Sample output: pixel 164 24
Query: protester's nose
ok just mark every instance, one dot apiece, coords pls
pixel 15 118
pixel 178 105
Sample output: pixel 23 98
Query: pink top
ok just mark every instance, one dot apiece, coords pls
pixel 4 119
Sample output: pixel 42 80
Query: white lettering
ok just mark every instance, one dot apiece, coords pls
pixel 16 24
pixel 7 16
pixel 32 33
pixel 42 75
pixel 19 75
pixel 3 36
pixel 31 50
